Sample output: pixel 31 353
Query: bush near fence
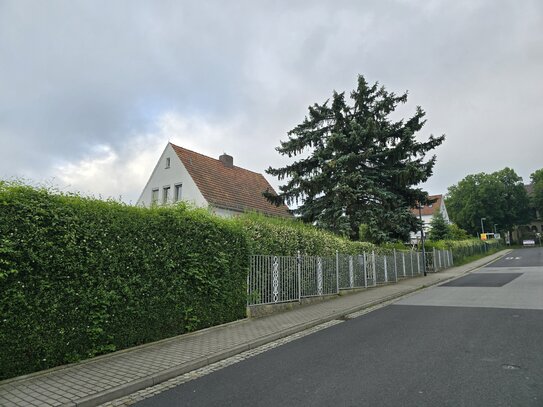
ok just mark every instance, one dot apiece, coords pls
pixel 81 277
pixel 465 248
pixel 285 237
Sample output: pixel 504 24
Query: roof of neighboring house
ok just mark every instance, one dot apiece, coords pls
pixel 429 210
pixel 226 187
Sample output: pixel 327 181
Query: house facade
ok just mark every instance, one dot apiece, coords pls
pixel 202 181
pixel 427 213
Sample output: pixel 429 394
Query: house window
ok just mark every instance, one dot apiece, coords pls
pixel 165 195
pixel 154 196
pixel 167 162
pixel 177 192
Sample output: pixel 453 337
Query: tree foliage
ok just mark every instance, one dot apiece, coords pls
pixel 439 227
pixel 537 191
pixel 499 197
pixel 361 167
pixel 457 233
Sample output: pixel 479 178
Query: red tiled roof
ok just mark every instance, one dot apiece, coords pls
pixel 232 188
pixel 429 210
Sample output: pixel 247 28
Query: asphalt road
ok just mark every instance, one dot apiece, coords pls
pixel 475 342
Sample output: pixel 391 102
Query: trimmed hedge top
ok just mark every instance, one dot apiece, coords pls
pixel 284 237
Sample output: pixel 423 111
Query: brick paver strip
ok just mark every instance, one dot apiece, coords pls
pixel 105 378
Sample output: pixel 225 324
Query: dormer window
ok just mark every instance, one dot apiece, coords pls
pixel 167 162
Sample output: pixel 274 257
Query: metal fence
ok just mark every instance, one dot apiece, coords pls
pixel 278 279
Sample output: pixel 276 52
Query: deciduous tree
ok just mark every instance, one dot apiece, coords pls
pixel 537 191
pixel 499 197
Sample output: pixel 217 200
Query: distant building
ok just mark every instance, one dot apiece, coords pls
pixel 427 212
pixel 184 175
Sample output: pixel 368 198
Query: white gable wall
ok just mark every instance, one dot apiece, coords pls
pixel 444 211
pixel 427 219
pixel 176 174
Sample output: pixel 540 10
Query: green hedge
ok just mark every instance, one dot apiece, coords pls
pixel 284 237
pixel 464 249
pixel 81 277
pixel 460 244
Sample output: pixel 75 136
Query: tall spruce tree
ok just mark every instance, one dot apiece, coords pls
pixel 362 168
pixel 439 228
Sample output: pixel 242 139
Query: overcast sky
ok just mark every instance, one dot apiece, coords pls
pixel 91 92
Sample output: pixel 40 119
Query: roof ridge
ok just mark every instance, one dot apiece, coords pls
pixel 211 158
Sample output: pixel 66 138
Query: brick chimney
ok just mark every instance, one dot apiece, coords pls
pixel 227 160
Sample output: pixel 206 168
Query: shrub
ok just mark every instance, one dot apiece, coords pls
pixel 284 237
pixel 80 277
pixel 464 248
pixel 457 233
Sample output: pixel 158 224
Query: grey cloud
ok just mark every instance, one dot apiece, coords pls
pixel 74 75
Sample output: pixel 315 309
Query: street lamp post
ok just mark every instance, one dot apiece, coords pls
pixel 483 225
pixel 422 240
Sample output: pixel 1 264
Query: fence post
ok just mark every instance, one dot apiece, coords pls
pixel 385 263
pixel 337 271
pixel 434 261
pixel 249 274
pixel 452 258
pixel 418 262
pixel 365 271
pixel 374 269
pixel 395 265
pixel 351 271
pixel 403 264
pixel 395 271
pixel 299 266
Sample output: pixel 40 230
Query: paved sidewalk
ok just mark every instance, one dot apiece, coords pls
pixel 108 377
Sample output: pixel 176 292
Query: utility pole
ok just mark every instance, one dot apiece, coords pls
pixel 482 225
pixel 422 240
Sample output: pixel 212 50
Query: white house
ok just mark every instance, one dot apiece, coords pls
pixel 428 211
pixel 184 175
